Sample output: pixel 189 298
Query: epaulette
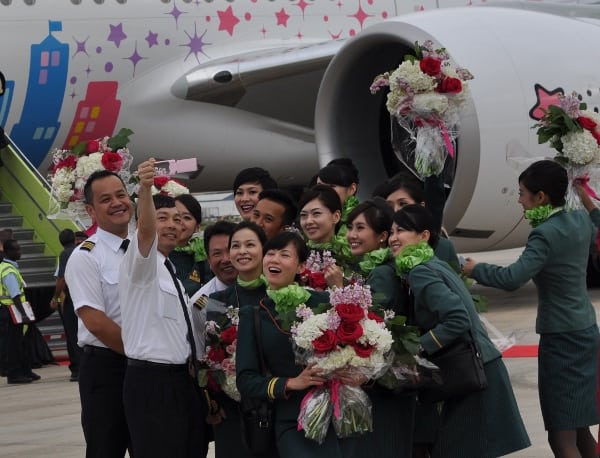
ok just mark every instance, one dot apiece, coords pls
pixel 88 245
pixel 201 302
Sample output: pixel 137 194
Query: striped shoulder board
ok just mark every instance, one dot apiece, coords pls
pixel 88 245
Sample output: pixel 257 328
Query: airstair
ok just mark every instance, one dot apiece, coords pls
pixel 24 199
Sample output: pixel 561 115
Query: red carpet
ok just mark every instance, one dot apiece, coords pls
pixel 521 351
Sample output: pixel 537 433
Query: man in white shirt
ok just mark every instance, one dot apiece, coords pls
pixel 92 274
pixel 162 403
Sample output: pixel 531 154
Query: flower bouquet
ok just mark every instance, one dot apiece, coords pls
pixel 218 373
pixel 574 132
pixel 164 184
pixel 70 170
pixel 426 94
pixel 317 263
pixel 341 336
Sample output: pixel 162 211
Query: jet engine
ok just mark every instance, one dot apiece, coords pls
pixel 520 60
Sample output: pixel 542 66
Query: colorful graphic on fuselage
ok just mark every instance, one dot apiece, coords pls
pixel 38 127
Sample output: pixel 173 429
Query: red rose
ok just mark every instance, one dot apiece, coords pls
pixel 326 342
pixel 216 354
pixel 450 85
pixel 350 312
pixel 112 161
pixel 93 146
pixel 68 162
pixel 364 351
pixel 596 135
pixel 229 335
pixel 212 384
pixel 430 66
pixel 587 123
pixel 160 181
pixel 316 280
pixel 348 332
pixel 373 316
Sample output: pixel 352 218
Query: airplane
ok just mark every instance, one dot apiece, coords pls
pixel 284 84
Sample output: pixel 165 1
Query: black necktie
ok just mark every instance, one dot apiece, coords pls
pixel 190 336
pixel 124 245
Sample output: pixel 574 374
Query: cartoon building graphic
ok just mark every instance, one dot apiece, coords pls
pixel 5 101
pixel 96 115
pixel 36 131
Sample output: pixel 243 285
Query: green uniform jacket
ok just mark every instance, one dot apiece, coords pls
pixel 555 257
pixel 444 309
pixel 191 273
pixel 387 288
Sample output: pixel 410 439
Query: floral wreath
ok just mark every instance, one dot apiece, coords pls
pixel 426 95
pixel 70 170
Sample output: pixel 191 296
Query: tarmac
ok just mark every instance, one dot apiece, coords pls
pixel 42 419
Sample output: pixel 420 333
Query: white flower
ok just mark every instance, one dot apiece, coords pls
pixel 410 72
pixel 86 165
pixel 309 330
pixel 580 147
pixel 174 189
pixel 375 335
pixel 430 102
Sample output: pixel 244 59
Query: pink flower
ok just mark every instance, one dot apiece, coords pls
pixel 93 146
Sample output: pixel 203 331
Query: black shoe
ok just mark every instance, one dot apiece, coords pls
pixel 33 376
pixel 18 380
pixel 74 378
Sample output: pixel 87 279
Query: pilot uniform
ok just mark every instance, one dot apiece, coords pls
pixel 92 276
pixel 162 405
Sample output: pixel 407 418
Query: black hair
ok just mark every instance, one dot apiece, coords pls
pixel 284 198
pixel 549 177
pixel 254 175
pixel 283 239
pixel 80 235
pixel 340 172
pixel 378 214
pixel 6 234
pixel 97 175
pixel 219 228
pixel 326 195
pixel 417 218
pixel 66 237
pixel 405 181
pixel 260 233
pixel 192 205
pixel 10 245
pixel 163 201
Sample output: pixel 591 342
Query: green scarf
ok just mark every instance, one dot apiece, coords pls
pixel 373 259
pixel 253 284
pixel 538 215
pixel 339 248
pixel 288 298
pixel 349 205
pixel 195 246
pixel 413 255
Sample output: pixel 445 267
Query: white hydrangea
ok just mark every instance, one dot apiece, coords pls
pixel 377 336
pixel 86 165
pixel 174 189
pixel 412 74
pixel 309 330
pixel 580 147
pixel 335 360
pixel 430 102
pixel 229 387
pixel 61 184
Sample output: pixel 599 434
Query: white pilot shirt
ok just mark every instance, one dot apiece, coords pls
pixel 92 275
pixel 153 324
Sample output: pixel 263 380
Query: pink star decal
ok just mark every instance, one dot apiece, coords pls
pixel 360 15
pixel 299 35
pixel 152 38
pixel 263 31
pixel 545 98
pixel 81 47
pixel 195 44
pixel 227 20
pixel 335 36
pixel 282 17
pixel 135 58
pixel 116 34
pixel 302 5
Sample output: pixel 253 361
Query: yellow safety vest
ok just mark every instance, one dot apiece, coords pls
pixel 6 268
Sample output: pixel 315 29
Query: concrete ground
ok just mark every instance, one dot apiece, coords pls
pixel 43 419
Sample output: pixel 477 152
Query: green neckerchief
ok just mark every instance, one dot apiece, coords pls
pixel 413 255
pixel 195 246
pixel 253 284
pixel 339 248
pixel 349 205
pixel 538 215
pixel 288 298
pixel 373 259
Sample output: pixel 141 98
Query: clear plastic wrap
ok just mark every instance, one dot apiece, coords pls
pixel 352 410
pixel 315 413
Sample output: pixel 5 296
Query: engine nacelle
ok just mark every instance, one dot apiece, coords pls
pixel 509 52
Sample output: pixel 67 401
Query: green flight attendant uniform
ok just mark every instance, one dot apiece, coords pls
pixel 484 424
pixel 555 257
pixel 193 274
pixel 279 359
pixel 228 439
pixel 393 414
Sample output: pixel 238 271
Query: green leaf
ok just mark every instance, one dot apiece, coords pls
pixel 79 149
pixel 120 140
